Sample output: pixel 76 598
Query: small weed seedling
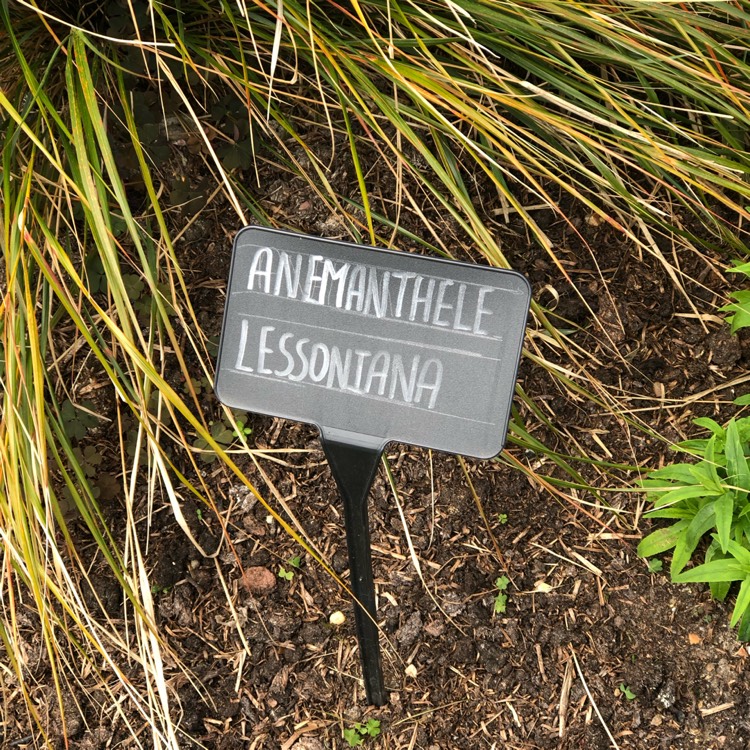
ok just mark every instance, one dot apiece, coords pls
pixel 627 692
pixel 89 459
pixel 243 429
pixel 77 420
pixel 655 565
pixel 200 385
pixel 224 434
pixel 707 499
pixel 359 732
pixel 286 574
pixel 501 598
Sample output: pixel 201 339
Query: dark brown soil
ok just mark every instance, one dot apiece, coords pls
pixel 593 650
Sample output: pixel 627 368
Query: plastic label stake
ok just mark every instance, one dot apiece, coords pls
pixel 371 346
pixel 354 468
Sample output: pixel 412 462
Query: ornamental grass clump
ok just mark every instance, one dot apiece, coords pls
pixel 635 113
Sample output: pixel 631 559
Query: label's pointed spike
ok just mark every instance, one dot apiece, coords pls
pixel 354 467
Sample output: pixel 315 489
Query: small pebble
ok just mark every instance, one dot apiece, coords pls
pixel 259 580
pixel 337 618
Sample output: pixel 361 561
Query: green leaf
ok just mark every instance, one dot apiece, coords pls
pixel 686 493
pixel 709 424
pixel 724 511
pixel 742 603
pixel 627 692
pixel 738 472
pixel 243 429
pixel 743 634
pixel 372 727
pixel 739 553
pixel 713 461
pixel 501 604
pixel 716 570
pixel 207 454
pixel 221 433
pixel 740 317
pixel 719 589
pixel 696 447
pixel 502 583
pixel 741 267
pixel 672 511
pixel 742 400
pixel 78 419
pixel 133 284
pixel 743 425
pixel 661 540
pixel 677 472
pixel 655 565
pixel 701 523
pixel 708 477
pixel 353 737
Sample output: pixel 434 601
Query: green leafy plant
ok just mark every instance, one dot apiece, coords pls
pixel 357 734
pixel 224 433
pixel 221 433
pixel 287 574
pixel 78 420
pixel 707 500
pixel 89 459
pixel 740 308
pixel 655 565
pixel 627 692
pixel 501 598
pixel 134 286
pixel 243 429
pixel 200 385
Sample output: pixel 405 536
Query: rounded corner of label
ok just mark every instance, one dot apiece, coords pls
pixel 493 452
pixel 242 231
pixel 219 390
pixel 524 280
